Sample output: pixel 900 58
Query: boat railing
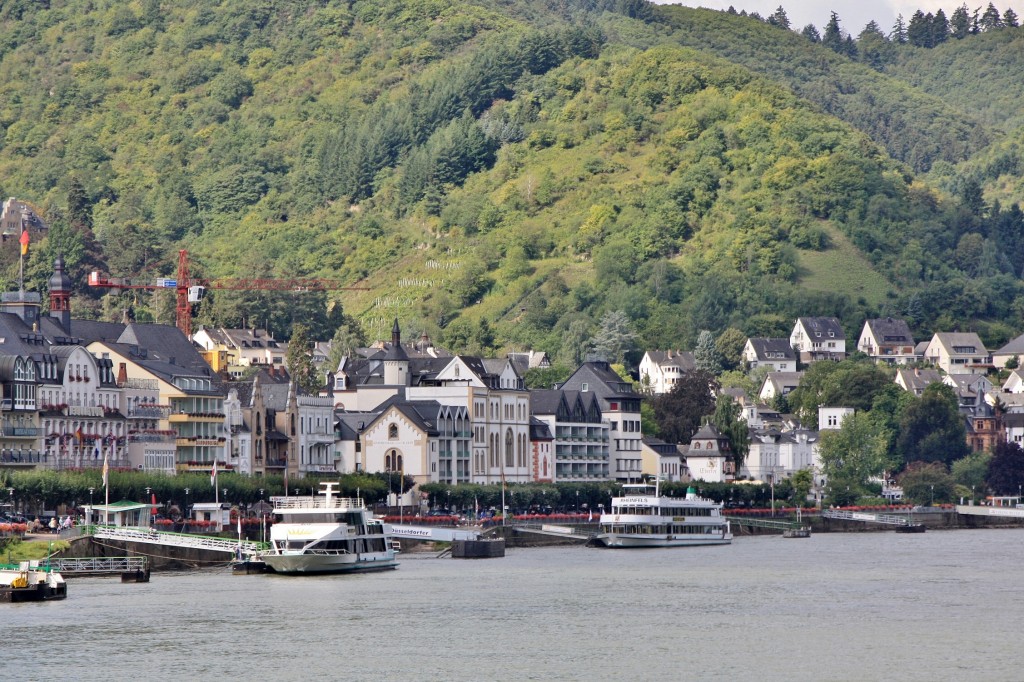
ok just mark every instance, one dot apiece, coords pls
pixel 307 502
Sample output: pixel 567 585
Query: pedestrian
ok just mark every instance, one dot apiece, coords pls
pixel 53 524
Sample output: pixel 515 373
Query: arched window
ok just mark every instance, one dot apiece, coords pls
pixel 392 431
pixel 509 452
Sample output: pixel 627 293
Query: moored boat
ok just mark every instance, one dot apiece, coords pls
pixel 28 581
pixel 327 534
pixel 642 517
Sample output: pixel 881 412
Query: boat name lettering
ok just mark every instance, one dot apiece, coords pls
pixel 634 500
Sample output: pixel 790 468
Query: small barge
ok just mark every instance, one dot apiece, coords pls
pixel 28 581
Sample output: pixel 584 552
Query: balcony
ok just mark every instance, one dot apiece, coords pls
pixel 18 432
pixel 147 412
pixel 179 417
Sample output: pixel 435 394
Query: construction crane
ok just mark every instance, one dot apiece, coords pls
pixel 191 290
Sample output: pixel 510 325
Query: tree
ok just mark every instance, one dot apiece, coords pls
pixel 615 337
pixel 706 353
pixel 925 483
pixel 898 34
pixel 802 482
pixel 1010 18
pixel 730 345
pixel 960 22
pixel 990 19
pixel 728 419
pixel 857 451
pixel 833 36
pixel 972 471
pixel 1005 473
pixel 932 429
pixel 779 18
pixel 300 361
pixel 810 31
pixel 347 338
pixel 679 412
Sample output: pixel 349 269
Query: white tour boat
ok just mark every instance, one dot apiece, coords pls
pixel 643 518
pixel 327 534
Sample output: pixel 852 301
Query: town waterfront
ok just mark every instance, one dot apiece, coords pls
pixel 839 606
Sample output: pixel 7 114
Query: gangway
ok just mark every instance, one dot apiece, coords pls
pixel 772 524
pixel 246 548
pixel 846 515
pixel 553 530
pixel 99 565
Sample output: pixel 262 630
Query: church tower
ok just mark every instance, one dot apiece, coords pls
pixel 396 362
pixel 60 295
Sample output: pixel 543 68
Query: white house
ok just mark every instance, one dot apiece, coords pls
pixel 958 353
pixel 661 370
pixel 1013 349
pixel 767 352
pixel 831 418
pixel 709 457
pixel 778 383
pixel 887 340
pixel 818 338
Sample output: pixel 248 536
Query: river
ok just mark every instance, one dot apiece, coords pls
pixel 942 605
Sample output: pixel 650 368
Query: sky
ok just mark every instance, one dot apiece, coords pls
pixel 853 15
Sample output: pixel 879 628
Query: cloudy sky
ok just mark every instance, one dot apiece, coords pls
pixel 853 14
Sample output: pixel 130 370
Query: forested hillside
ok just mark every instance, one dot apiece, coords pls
pixel 504 175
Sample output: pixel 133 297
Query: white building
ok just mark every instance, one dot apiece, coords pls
pixel 818 338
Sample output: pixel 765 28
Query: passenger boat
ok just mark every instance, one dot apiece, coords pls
pixel 642 517
pixel 28 581
pixel 327 534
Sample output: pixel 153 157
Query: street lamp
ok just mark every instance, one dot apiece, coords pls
pixel 449 493
pixel 577 501
pixel 932 503
pixel 185 512
pixel 10 493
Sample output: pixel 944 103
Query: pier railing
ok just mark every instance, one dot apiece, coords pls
pixel 887 519
pixel 146 535
pixel 99 565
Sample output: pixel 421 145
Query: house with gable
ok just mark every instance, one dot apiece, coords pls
pixel 661 370
pixel 778 384
pixel 958 353
pixel 620 409
pixel 818 338
pixel 887 340
pixel 915 380
pixel 664 460
pixel 581 435
pixel 238 349
pixel 768 352
pixel 1013 349
pixel 709 456
pixel 490 389
pixel 1014 383
pixel 970 390
pixel 422 439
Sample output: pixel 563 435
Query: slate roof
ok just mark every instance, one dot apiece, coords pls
pixel 771 348
pixel 1014 347
pixel 813 325
pixel 890 330
pixel 601 379
pixel 683 359
pixel 916 380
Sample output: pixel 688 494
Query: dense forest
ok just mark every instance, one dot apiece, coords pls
pixel 541 174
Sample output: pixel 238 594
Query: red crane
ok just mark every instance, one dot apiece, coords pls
pixel 190 290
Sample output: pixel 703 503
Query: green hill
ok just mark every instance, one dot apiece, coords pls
pixel 496 174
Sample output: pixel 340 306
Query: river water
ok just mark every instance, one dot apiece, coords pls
pixel 943 605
